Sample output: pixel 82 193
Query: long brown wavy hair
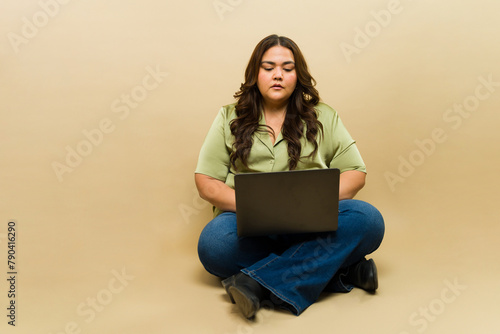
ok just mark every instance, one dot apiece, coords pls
pixel 299 110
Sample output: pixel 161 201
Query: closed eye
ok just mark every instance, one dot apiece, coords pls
pixel 285 69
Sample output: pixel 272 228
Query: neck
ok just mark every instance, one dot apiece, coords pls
pixel 274 108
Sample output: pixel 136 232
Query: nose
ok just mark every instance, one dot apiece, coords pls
pixel 278 74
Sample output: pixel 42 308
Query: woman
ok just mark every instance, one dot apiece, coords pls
pixel 278 123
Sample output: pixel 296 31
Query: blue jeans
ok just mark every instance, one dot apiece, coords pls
pixel 294 268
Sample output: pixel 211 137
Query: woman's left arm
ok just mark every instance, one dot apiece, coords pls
pixel 351 182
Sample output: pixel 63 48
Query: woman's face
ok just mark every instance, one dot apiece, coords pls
pixel 277 77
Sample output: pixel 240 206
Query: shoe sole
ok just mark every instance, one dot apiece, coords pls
pixel 375 275
pixel 227 283
pixel 246 301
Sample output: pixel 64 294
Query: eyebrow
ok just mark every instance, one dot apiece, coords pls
pixel 273 63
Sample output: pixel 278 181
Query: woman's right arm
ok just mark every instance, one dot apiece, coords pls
pixel 215 192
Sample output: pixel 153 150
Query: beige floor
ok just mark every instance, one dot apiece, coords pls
pixel 438 271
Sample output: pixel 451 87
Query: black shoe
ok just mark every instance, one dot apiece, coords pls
pixel 245 292
pixel 363 275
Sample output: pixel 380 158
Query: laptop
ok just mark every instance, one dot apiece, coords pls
pixel 287 202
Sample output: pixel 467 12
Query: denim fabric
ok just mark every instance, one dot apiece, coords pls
pixel 295 268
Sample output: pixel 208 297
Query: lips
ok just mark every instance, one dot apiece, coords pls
pixel 277 86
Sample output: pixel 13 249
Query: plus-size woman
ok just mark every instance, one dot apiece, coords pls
pixel 278 123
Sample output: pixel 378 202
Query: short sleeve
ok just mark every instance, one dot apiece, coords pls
pixel 346 155
pixel 349 159
pixel 214 155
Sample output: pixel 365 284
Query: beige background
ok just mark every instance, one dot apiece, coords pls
pixel 128 207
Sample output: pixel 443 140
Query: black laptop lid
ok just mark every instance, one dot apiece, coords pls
pixel 287 202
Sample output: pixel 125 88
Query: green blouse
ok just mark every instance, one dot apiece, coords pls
pixel 336 149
